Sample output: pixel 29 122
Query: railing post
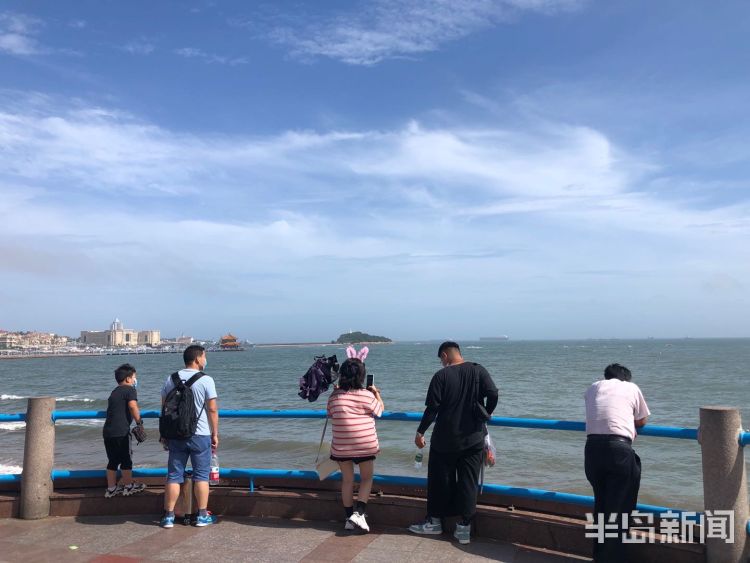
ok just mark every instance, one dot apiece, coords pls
pixel 38 459
pixel 724 480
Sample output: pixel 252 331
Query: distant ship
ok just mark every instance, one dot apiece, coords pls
pixel 494 338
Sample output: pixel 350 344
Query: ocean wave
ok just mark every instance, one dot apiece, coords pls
pixel 83 422
pixel 11 426
pixel 69 399
pixel 10 469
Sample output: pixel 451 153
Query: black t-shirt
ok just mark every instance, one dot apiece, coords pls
pixel 118 414
pixel 450 399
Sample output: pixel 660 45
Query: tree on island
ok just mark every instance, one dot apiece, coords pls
pixel 358 337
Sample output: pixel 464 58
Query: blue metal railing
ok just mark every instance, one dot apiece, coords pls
pixel 398 480
pixel 252 474
pixel 541 424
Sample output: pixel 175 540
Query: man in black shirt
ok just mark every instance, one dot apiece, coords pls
pixel 457 445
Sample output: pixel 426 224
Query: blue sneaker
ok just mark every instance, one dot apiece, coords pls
pixel 167 521
pixel 206 520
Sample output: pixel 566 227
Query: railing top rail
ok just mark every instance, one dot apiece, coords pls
pixel 510 422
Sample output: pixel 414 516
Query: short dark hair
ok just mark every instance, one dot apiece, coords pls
pixel 447 345
pixel 192 353
pixel 616 371
pixel 352 374
pixel 123 372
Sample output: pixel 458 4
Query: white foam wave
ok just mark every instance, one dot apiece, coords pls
pixel 10 469
pixel 84 422
pixel 71 398
pixel 11 426
pixel 76 398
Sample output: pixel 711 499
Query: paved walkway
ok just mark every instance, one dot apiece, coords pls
pixel 124 539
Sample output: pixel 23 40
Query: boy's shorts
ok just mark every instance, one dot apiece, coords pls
pixel 198 449
pixel 118 452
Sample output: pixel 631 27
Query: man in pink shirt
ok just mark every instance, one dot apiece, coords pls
pixel 615 407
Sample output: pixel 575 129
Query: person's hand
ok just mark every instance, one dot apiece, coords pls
pixel 419 440
pixel 374 390
pixel 214 441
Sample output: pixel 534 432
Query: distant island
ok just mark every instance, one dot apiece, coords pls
pixel 358 337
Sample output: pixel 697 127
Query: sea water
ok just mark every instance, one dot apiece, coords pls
pixel 544 379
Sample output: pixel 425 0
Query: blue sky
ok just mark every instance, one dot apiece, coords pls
pixel 293 170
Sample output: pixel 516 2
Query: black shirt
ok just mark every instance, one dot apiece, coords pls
pixel 450 399
pixel 118 414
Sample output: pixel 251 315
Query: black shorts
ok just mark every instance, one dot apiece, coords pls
pixel 354 460
pixel 118 452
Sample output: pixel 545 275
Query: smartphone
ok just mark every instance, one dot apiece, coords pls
pixel 370 379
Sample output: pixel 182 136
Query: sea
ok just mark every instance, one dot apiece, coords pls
pixel 537 379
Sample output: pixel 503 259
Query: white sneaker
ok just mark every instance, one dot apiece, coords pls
pixel 109 493
pixel 463 533
pixel 359 521
pixel 133 488
pixel 429 527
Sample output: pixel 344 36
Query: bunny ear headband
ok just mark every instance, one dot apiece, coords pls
pixel 361 355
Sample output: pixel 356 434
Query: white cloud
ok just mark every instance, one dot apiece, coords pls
pixel 77 24
pixel 387 29
pixel 17 34
pixel 194 53
pixel 336 215
pixel 140 46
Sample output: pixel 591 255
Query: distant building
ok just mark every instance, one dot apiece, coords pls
pixel 8 341
pixel 117 335
pixel 11 340
pixel 229 342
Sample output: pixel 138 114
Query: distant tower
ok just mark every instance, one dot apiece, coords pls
pixel 116 325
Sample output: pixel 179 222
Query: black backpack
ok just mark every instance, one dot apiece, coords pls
pixel 178 420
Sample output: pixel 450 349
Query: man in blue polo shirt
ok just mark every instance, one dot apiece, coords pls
pixel 198 447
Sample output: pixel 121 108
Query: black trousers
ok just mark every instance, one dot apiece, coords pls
pixel 453 482
pixel 614 471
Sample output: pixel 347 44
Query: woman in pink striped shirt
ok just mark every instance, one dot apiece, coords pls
pixel 352 409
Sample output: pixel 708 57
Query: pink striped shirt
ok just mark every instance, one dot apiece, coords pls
pixel 351 413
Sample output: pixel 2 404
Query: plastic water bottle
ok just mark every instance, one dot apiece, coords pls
pixel 418 457
pixel 213 475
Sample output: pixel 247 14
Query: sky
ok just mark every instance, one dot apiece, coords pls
pixel 288 171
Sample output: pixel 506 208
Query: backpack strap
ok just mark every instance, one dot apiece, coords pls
pixel 194 378
pixel 176 381
pixel 189 383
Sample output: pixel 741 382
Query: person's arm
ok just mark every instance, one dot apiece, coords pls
pixel 212 408
pixel 490 393
pixel 432 404
pixel 134 411
pixel 640 412
pixel 375 391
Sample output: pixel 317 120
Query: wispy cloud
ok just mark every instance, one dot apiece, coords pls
pixel 77 24
pixel 313 208
pixel 387 29
pixel 194 53
pixel 139 46
pixel 18 34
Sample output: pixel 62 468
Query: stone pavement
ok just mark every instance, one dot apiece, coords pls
pixel 125 539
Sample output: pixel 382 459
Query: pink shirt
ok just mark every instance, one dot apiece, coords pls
pixel 351 413
pixel 613 406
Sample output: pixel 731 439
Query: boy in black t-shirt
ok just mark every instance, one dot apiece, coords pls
pixel 122 408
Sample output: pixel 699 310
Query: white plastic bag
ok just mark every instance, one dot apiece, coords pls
pixel 490 452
